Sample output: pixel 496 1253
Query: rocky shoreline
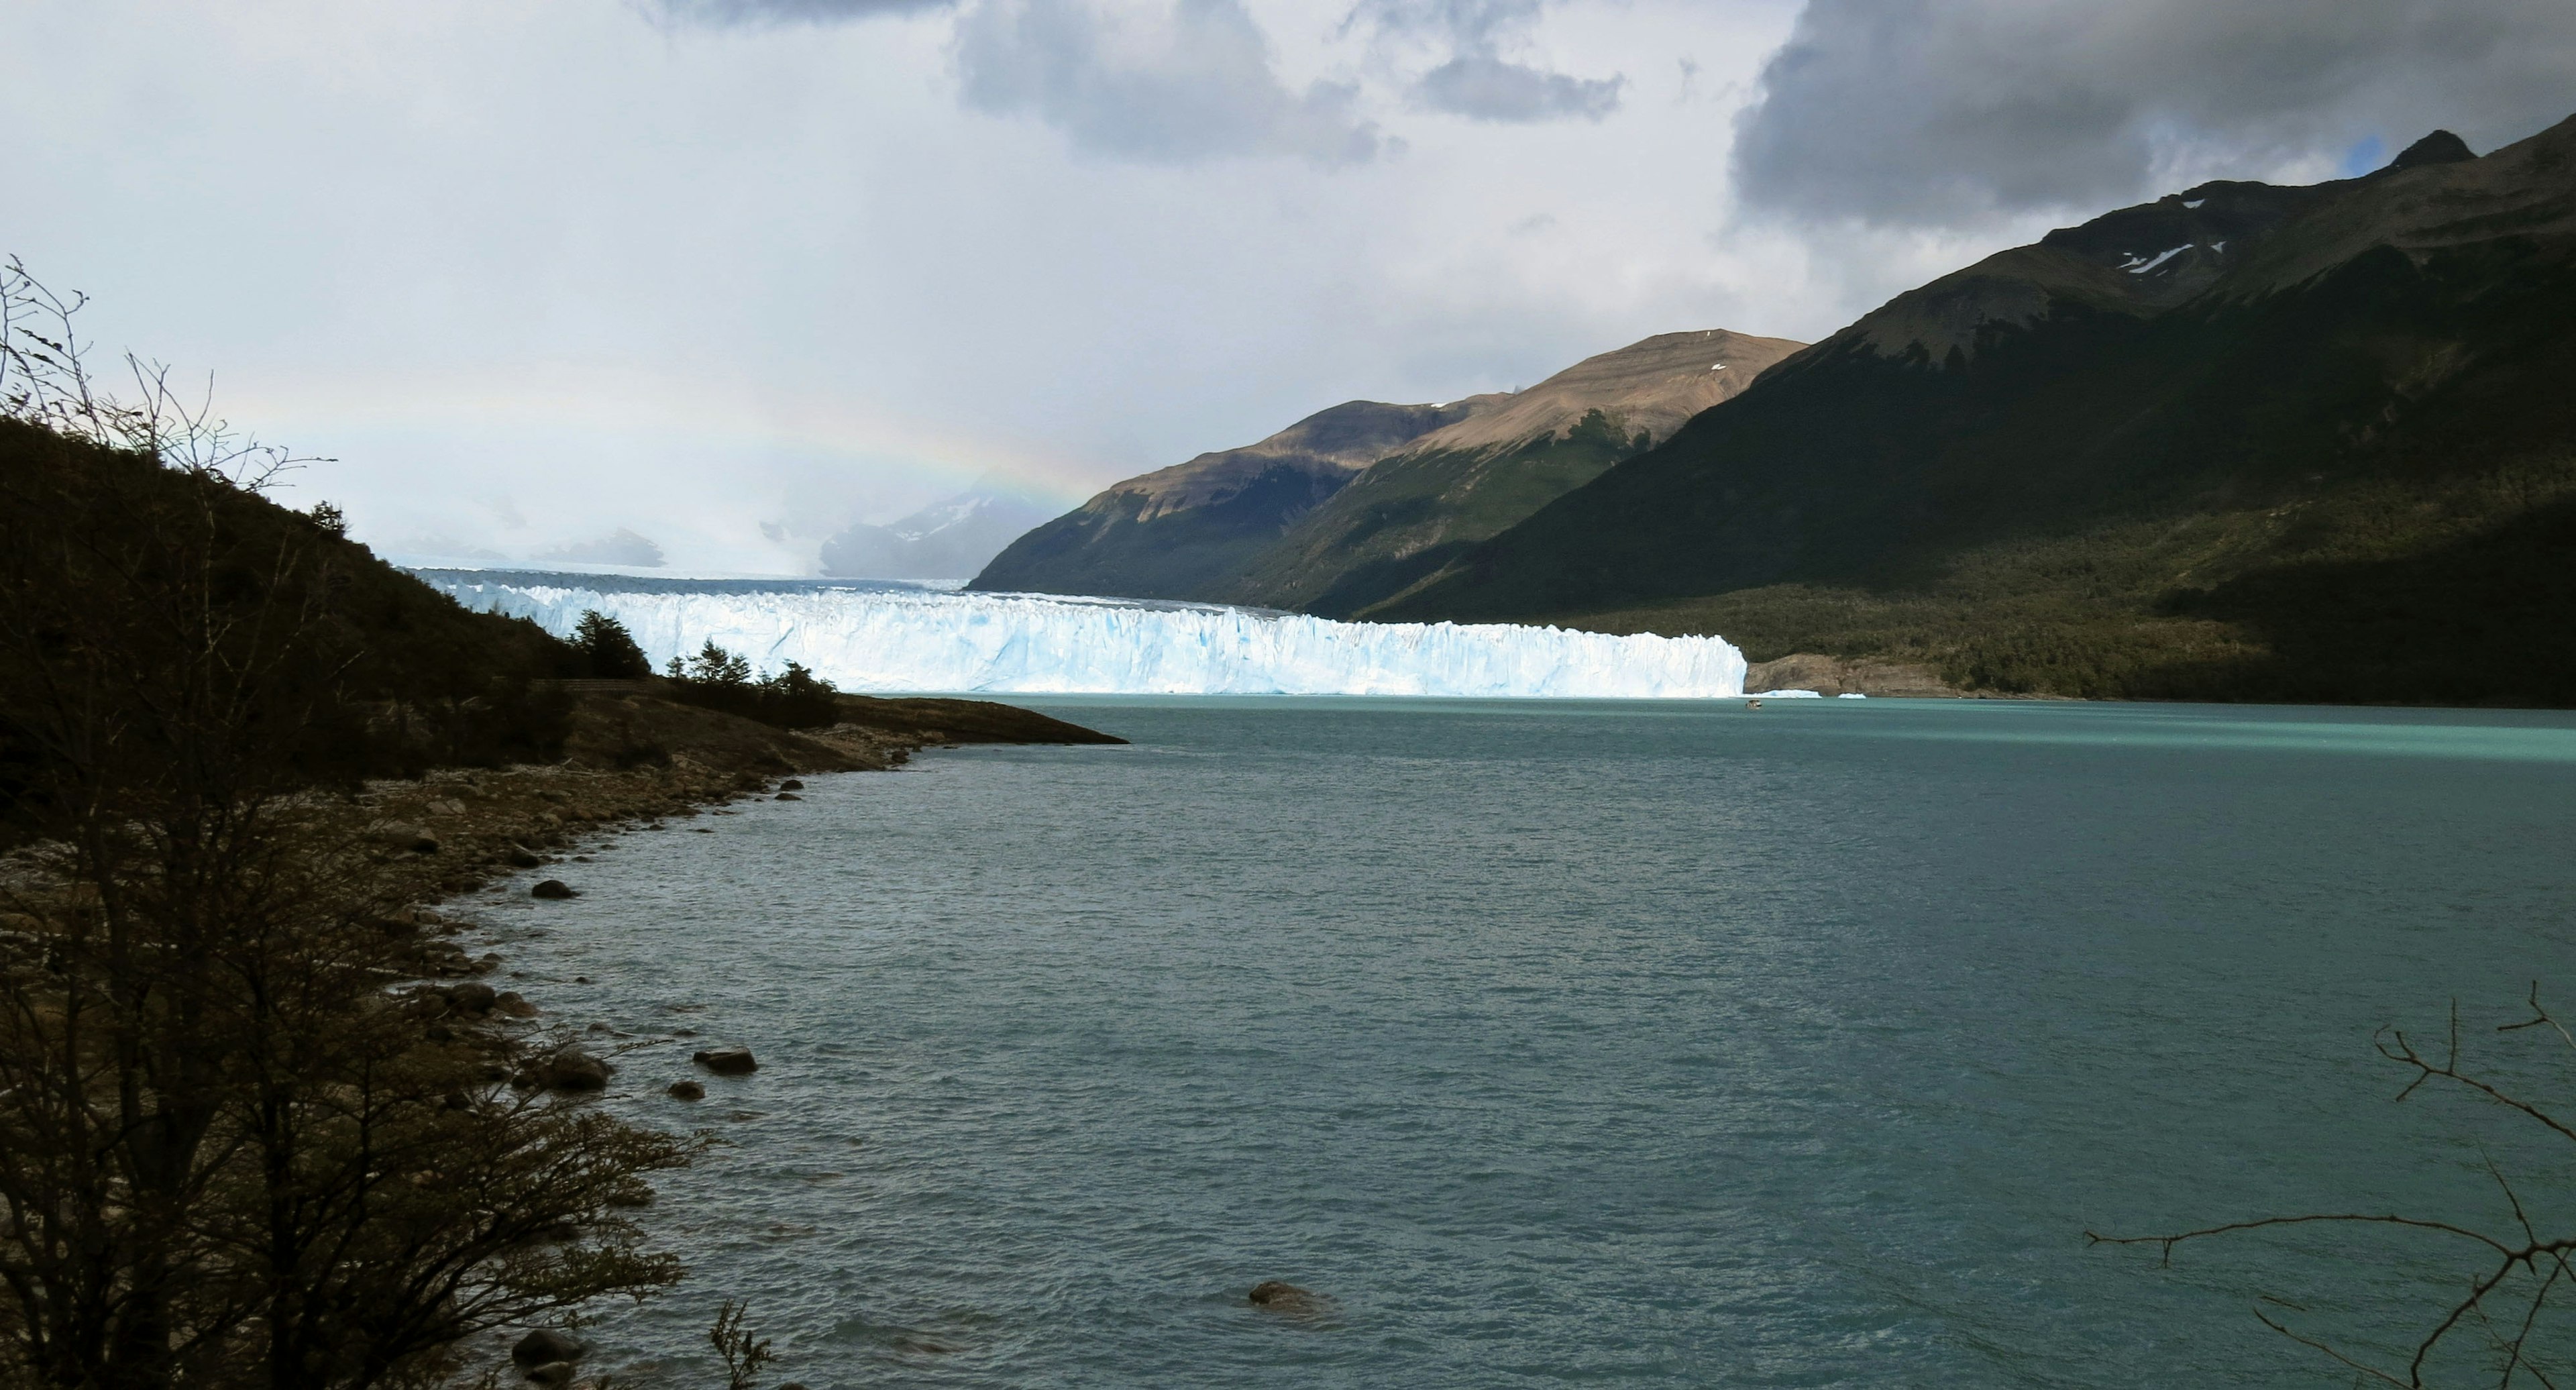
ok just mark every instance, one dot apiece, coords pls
pixel 634 761
pixel 634 757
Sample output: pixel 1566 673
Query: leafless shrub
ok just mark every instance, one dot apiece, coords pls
pixel 227 1154
pixel 45 380
pixel 2510 1301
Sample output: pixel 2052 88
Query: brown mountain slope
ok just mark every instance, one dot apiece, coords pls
pixel 1411 513
pixel 1182 531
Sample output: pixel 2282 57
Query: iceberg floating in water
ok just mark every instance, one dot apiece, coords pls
pixel 908 639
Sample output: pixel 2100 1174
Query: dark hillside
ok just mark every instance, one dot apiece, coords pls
pixel 2321 456
pixel 116 571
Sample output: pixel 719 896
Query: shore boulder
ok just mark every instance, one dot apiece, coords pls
pixel 571 1068
pixel 551 888
pixel 791 785
pixel 727 1061
pixel 472 997
pixel 410 837
pixel 687 1090
pixel 547 1346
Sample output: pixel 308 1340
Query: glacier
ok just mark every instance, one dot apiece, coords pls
pixel 888 639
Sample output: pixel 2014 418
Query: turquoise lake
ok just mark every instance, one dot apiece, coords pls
pixel 1669 1044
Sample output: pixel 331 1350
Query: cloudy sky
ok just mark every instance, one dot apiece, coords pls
pixel 730 274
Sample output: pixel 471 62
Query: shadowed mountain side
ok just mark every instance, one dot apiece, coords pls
pixel 1412 513
pixel 2022 475
pixel 1181 531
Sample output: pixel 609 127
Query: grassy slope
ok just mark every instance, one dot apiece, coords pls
pixel 1109 546
pixel 1409 515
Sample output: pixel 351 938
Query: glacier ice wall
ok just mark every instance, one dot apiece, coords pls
pixel 885 640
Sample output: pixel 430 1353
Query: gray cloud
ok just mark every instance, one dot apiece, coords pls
pixel 1477 81
pixel 1488 89
pixel 1472 23
pixel 732 12
pixel 1194 84
pixel 1911 112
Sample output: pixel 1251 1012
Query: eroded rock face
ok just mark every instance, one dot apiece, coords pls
pixel 727 1061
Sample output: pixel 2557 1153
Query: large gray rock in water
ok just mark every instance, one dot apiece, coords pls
pixel 727 1061
pixel 572 1068
pixel 551 888
pixel 545 1347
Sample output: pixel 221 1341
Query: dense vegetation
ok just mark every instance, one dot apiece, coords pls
pixel 608 651
pixel 719 680
pixel 2348 484
pixel 392 676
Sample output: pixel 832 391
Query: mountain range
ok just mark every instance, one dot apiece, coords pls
pixel 2245 441
pixel 1346 506
pixel 951 539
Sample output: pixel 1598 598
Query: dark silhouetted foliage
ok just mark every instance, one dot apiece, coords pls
pixel 719 680
pixel 608 650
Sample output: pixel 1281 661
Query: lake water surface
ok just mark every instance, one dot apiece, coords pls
pixel 1652 1043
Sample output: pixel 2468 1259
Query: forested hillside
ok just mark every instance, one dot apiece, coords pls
pixel 2241 443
